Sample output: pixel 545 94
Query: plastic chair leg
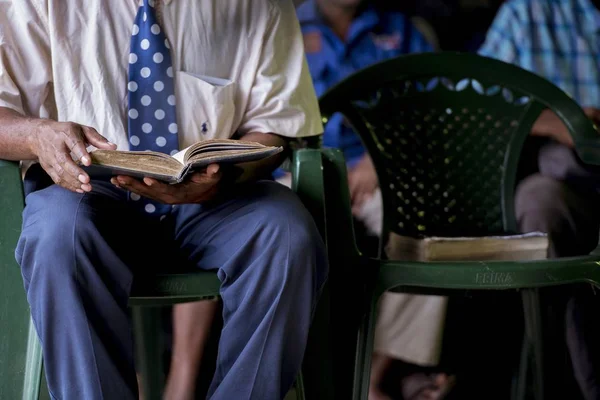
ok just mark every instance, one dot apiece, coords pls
pixel 148 344
pixel 364 353
pixel 534 332
pixel 33 366
pixel 519 387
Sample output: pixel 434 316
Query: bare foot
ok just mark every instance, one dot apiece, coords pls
pixel 377 394
pixel 421 386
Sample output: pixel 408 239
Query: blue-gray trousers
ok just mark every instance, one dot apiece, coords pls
pixel 79 254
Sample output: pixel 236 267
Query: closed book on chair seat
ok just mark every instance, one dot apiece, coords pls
pixel 530 246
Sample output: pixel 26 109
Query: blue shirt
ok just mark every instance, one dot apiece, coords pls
pixel 373 37
pixel 557 39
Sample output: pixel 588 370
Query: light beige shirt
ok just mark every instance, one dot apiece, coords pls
pixel 68 60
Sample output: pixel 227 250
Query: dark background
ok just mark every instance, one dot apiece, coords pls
pixel 460 25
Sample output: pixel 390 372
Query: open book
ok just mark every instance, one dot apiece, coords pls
pixel 530 246
pixel 174 169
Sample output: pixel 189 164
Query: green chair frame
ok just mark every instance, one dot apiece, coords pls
pixel 21 362
pixel 386 105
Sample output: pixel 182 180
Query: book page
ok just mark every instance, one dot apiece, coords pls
pixel 140 161
pixel 208 148
pixel 182 155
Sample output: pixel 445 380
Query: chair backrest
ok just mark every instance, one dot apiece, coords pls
pixel 445 131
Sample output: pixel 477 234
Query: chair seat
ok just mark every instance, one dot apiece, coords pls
pixel 485 275
pixel 165 289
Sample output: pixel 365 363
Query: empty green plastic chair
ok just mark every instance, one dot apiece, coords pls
pixel 445 132
pixel 21 374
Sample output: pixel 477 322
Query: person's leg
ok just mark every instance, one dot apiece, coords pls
pixel 76 253
pixel 192 324
pixel 572 221
pixel 272 264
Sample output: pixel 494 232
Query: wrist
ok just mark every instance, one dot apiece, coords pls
pixel 35 129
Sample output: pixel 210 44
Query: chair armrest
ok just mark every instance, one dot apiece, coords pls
pixel 308 183
pixel 485 274
pixel 11 209
pixel 338 206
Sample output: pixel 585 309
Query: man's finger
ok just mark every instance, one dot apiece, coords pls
pixel 76 144
pixel 206 177
pixel 67 163
pixel 69 173
pixel 212 169
pixel 59 179
pixel 135 186
pixel 159 186
pixel 95 139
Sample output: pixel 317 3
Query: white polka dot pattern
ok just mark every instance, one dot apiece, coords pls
pixel 151 94
pixel 159 86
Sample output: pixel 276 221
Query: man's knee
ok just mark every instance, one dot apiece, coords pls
pixel 541 204
pixel 47 243
pixel 290 228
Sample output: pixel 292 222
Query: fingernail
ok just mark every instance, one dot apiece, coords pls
pixel 79 191
pixel 82 178
pixel 111 143
pixel 85 159
pixel 121 180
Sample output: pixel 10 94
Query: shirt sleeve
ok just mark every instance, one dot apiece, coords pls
pixel 282 99
pixel 25 62
pixel 503 38
pixel 422 37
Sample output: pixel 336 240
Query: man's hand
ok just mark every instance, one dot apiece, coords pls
pixel 53 142
pixel 200 187
pixel 362 181
pixel 549 125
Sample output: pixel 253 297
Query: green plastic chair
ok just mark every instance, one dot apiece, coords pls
pixel 21 373
pixel 445 132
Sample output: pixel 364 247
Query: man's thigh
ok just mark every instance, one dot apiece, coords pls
pixel 263 215
pixel 70 221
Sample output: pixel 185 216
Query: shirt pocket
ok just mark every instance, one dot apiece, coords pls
pixel 205 107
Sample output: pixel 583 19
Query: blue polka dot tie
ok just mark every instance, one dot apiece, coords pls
pixel 151 94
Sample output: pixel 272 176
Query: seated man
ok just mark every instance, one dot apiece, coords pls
pixel 341 38
pixel 137 72
pixel 558 39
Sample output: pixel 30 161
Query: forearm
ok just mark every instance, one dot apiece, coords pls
pixel 260 169
pixel 15 135
pixel 550 126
